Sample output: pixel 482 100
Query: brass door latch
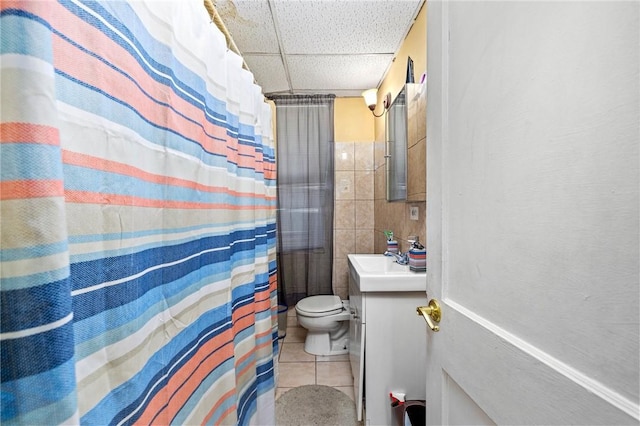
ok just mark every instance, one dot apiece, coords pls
pixel 432 314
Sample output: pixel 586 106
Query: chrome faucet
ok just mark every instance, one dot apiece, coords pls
pixel 401 258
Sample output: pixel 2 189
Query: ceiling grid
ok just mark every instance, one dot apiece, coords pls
pixel 318 46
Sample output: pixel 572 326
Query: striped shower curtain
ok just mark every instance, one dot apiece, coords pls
pixel 137 219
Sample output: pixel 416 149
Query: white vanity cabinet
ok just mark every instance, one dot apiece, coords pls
pixel 387 348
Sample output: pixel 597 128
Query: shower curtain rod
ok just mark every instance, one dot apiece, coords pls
pixel 216 19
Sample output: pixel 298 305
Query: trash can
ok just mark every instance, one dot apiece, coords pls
pixel 412 412
pixel 282 321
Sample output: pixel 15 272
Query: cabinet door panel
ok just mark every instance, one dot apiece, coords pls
pixel 356 343
pixel 395 351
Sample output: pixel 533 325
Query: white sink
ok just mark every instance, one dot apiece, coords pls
pixel 376 272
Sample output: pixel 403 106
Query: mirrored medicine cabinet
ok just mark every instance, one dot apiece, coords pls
pixel 396 148
pixel 405 147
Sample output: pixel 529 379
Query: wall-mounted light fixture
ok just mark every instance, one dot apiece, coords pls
pixel 371 99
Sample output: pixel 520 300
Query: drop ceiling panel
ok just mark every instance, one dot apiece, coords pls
pixel 336 72
pixel 269 72
pixel 328 46
pixel 250 23
pixel 338 27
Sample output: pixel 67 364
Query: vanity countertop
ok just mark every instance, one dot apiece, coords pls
pixel 379 273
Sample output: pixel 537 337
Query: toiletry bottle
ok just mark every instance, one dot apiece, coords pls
pixel 417 256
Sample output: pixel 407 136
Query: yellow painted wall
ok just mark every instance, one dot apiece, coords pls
pixel 395 216
pixel 353 121
pixel 414 45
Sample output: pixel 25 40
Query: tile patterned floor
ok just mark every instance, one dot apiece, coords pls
pixel 298 368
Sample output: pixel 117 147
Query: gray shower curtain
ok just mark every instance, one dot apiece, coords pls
pixel 305 148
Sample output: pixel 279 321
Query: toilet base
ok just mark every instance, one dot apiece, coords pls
pixel 319 342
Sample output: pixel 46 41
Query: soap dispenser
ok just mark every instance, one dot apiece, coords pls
pixel 417 255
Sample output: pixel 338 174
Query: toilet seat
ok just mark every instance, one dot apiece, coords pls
pixel 320 306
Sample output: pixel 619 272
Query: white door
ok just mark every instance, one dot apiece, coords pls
pixel 533 212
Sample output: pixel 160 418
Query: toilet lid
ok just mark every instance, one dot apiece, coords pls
pixel 320 304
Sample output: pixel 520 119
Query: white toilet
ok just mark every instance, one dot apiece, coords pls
pixel 326 319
